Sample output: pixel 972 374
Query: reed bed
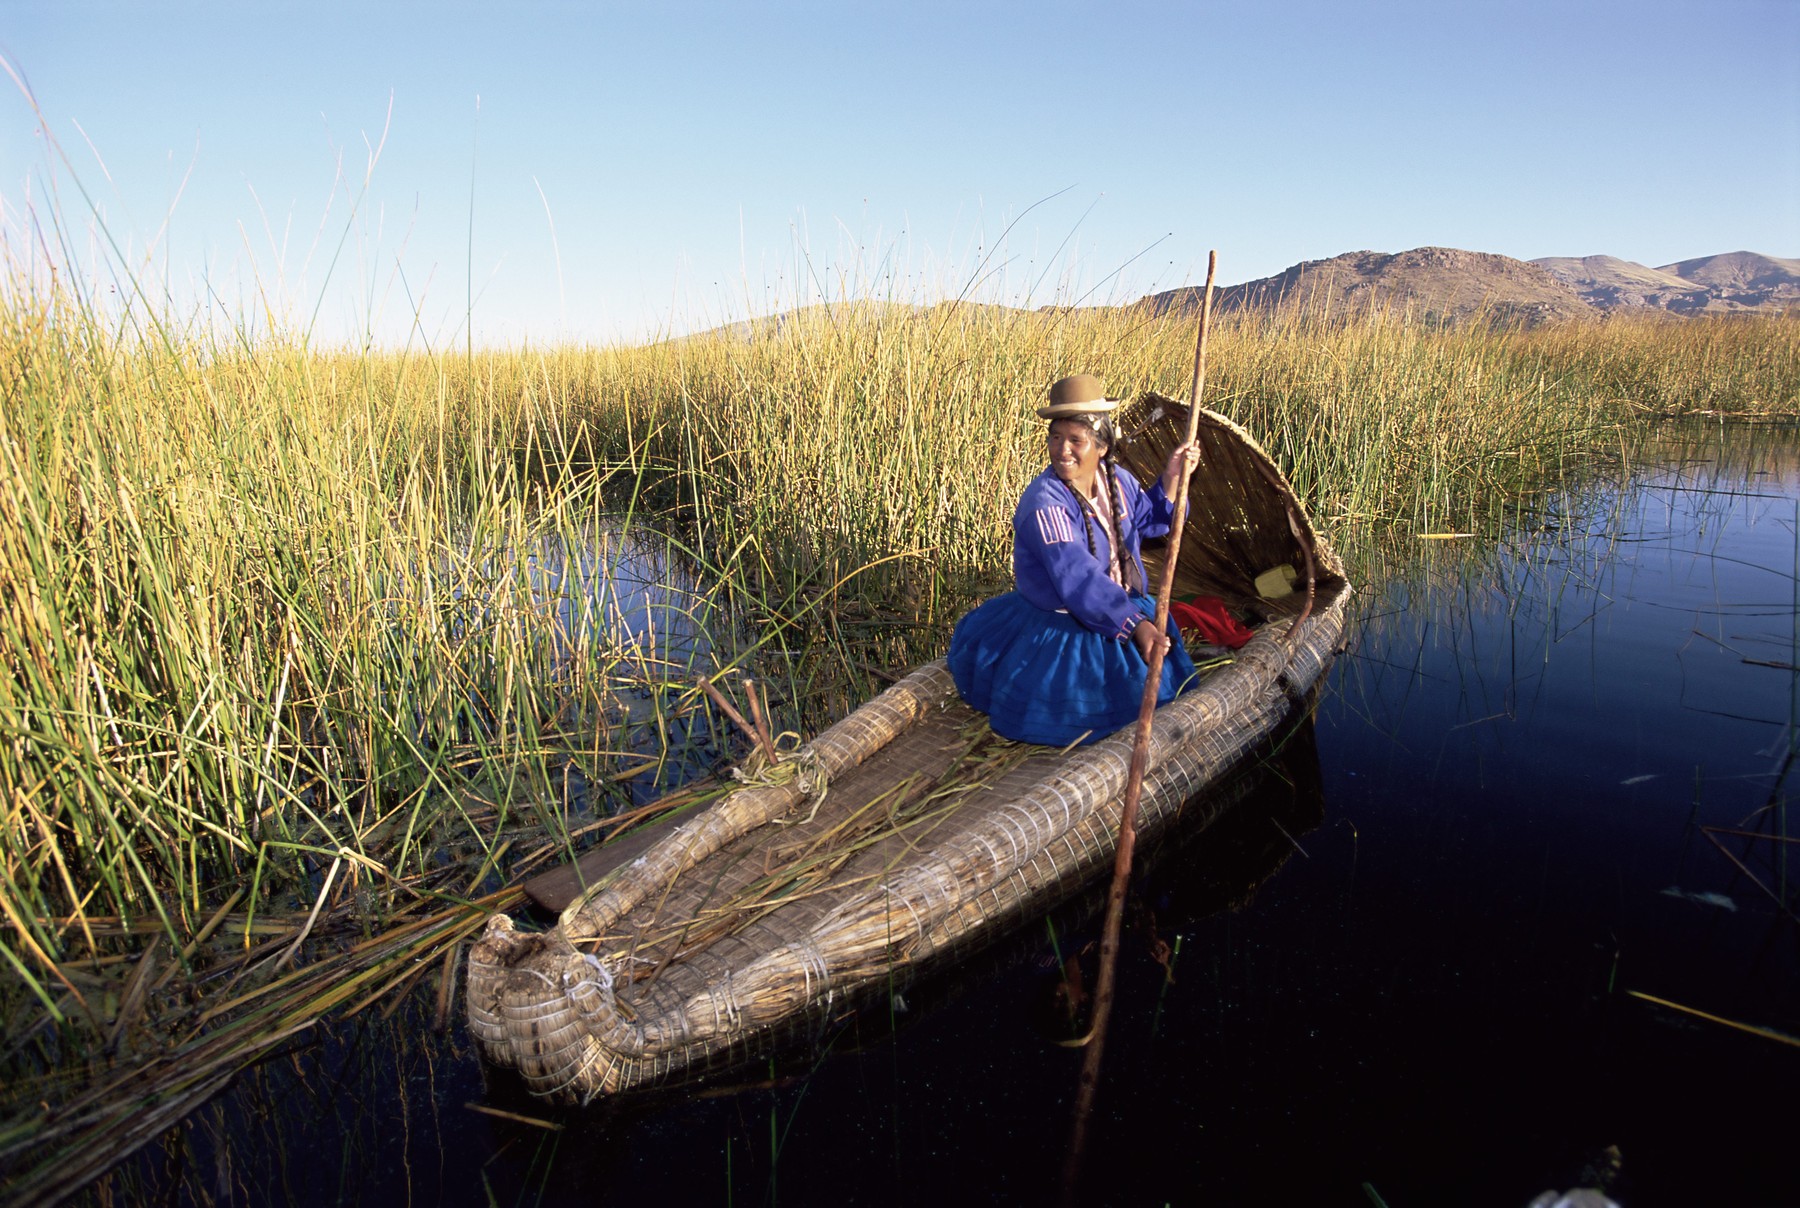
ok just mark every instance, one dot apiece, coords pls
pixel 290 632
pixel 862 433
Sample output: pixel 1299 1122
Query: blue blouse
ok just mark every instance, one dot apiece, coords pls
pixel 1051 564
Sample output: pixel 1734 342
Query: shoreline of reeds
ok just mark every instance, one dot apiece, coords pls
pixel 279 635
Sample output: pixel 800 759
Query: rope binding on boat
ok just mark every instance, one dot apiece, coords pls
pixel 793 763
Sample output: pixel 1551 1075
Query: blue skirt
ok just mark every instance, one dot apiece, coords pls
pixel 1044 677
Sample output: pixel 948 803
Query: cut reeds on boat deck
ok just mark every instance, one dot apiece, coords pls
pixel 902 835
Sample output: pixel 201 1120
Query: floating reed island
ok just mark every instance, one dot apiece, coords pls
pixel 906 833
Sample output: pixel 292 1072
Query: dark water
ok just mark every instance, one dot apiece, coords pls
pixel 1501 832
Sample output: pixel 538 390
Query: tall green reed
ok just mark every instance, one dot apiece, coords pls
pixel 266 612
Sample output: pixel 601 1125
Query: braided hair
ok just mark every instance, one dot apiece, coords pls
pixel 1128 567
pixel 1103 431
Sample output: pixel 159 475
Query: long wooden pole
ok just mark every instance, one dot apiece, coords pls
pixel 1134 780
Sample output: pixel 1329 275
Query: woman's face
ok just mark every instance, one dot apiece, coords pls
pixel 1075 451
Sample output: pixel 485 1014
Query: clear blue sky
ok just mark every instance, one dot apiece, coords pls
pixel 633 168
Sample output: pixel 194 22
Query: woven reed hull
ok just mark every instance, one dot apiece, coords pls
pixel 676 967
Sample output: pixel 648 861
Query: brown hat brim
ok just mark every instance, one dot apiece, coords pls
pixel 1098 406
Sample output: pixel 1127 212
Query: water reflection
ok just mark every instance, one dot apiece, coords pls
pixel 618 616
pixel 629 590
pixel 1542 741
pixel 1643 633
pixel 632 593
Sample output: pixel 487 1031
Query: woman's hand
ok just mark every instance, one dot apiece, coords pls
pixel 1171 479
pixel 1148 639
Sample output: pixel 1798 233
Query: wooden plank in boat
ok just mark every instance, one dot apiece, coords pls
pixel 554 890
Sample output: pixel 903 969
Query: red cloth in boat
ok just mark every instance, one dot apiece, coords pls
pixel 1207 617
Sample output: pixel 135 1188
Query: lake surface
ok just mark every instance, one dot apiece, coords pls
pixel 1504 820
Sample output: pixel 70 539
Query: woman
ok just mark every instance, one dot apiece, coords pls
pixel 1063 658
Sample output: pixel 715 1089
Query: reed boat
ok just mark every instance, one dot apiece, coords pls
pixel 907 833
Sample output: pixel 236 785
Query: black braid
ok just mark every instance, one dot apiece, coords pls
pixel 1127 564
pixel 1086 527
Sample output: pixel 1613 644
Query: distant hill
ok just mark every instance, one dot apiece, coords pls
pixel 1734 281
pixel 1440 283
pixel 1743 280
pixel 1608 284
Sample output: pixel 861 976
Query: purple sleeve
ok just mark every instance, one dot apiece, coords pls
pixel 1051 558
pixel 1152 512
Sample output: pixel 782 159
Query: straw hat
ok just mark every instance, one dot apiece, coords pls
pixel 1080 394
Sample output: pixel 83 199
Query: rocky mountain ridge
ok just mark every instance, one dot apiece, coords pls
pixel 1733 281
pixel 1450 284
